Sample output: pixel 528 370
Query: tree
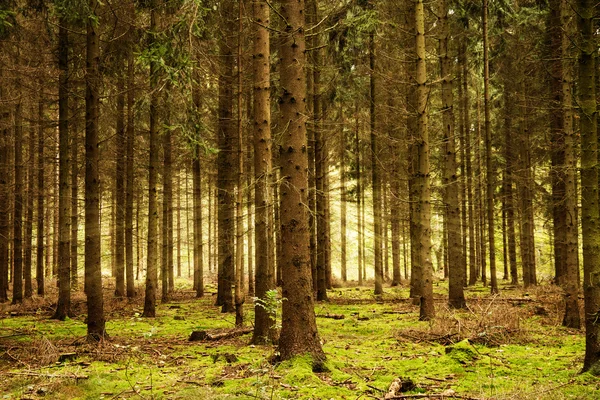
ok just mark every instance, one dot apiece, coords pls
pixel 421 173
pixel 93 262
pixel 457 278
pixel 590 217
pixel 152 251
pixel 63 307
pixel 299 329
pixel 263 322
pixel 39 271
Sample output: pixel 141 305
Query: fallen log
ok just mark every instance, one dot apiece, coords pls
pixel 43 375
pixel 214 336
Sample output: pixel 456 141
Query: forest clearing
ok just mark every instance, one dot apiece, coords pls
pixel 510 346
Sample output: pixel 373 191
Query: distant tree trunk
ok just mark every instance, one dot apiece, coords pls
pixel 421 178
pixel 250 207
pixel 299 329
pixel 457 278
pixel 197 215
pixel 93 262
pixel 264 331
pixel 226 168
pixel 468 164
pixel 359 199
pixel 130 133
pixel 375 173
pixel 167 215
pixel 480 225
pixel 39 267
pixel 572 318
pixel 120 190
pixel 4 206
pixel 63 308
pixel 343 196
pixel 239 204
pixel 509 200
pixel 395 210
pixel 74 203
pixel 27 262
pixel 488 153
pixel 525 195
pixel 178 209
pixel 154 165
pixel 17 258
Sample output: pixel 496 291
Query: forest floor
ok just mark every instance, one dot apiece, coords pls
pixel 510 346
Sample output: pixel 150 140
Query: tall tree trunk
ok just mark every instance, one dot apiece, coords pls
pixel 28 227
pixel 4 205
pixel 130 133
pixel 93 262
pixel 167 214
pixel 264 330
pixel 422 178
pixel 120 190
pixel 197 208
pixel 585 11
pixel 299 329
pixel 572 318
pixel 239 204
pixel 343 196
pixel 39 266
pixel 154 165
pixel 226 160
pixel 488 152
pixel 359 206
pixel 457 278
pixel 63 307
pixel 17 252
pixel 375 173
pixel 178 209
pixel 74 202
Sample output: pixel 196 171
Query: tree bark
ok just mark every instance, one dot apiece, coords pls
pixel 154 164
pixel 264 330
pixel 457 278
pixel 226 160
pixel 130 134
pixel 28 224
pixel 299 329
pixel 422 178
pixel 93 262
pixel 120 190
pixel 488 153
pixel 590 218
pixel 39 266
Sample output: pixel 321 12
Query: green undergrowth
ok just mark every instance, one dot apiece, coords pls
pixel 499 348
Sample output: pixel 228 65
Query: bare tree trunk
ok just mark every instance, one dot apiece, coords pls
pixel 4 205
pixel 119 210
pixel 130 133
pixel 226 160
pixel 488 153
pixel 154 164
pixel 28 228
pixel 167 214
pixel 93 262
pixel 17 221
pixel 299 330
pixel 63 308
pixel 39 267
pixel 239 205
pixel 457 278
pixel 343 205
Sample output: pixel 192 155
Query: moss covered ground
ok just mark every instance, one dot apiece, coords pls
pixel 509 346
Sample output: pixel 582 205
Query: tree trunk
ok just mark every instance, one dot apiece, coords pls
pixel 375 173
pixel 264 330
pixel 93 262
pixel 27 251
pixel 130 133
pixel 63 307
pixel 17 258
pixel 120 190
pixel 299 329
pixel 239 204
pixel 359 205
pixel 226 160
pixel 585 11
pixel 572 318
pixel 167 213
pixel 154 164
pixel 4 205
pixel 39 266
pixel 343 195
pixel 457 278
pixel 422 178
pixel 488 153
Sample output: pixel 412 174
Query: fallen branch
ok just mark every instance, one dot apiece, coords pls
pixel 332 316
pixel 207 336
pixel 42 375
pixel 431 396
